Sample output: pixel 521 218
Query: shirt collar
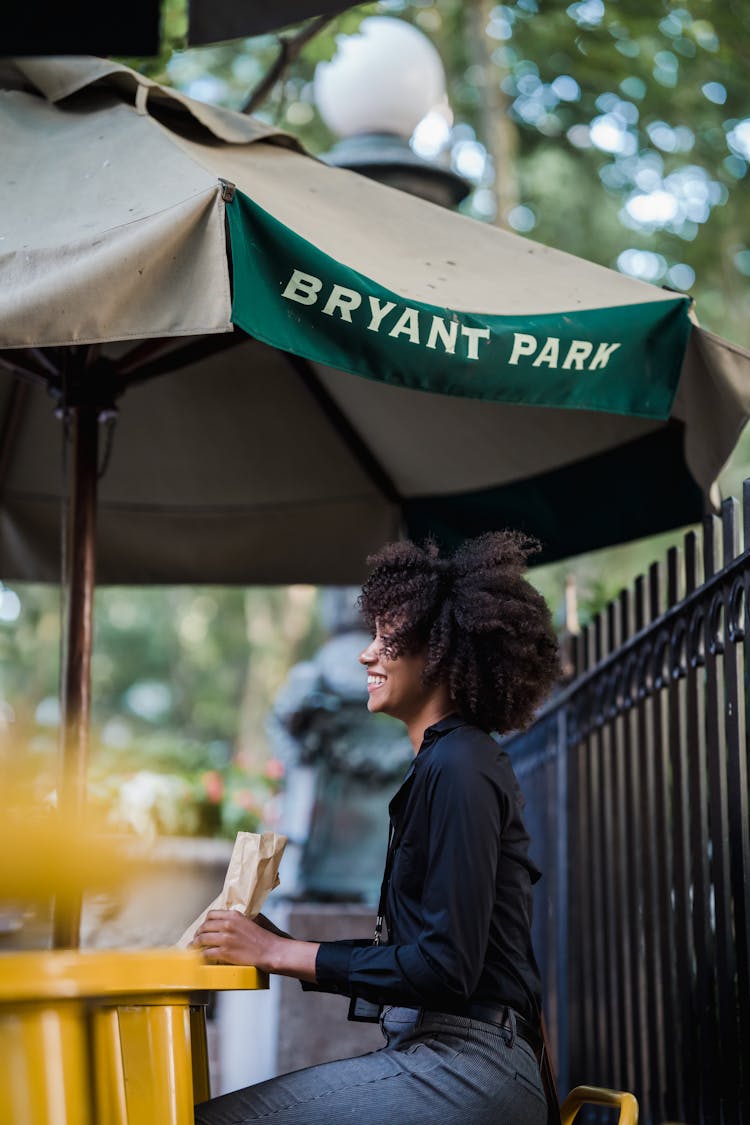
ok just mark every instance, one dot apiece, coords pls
pixel 441 727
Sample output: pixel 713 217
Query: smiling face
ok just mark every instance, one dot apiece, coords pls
pixel 395 686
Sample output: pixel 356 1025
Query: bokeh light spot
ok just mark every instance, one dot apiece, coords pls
pixel 522 219
pixel 715 92
pixel 681 276
pixel 643 264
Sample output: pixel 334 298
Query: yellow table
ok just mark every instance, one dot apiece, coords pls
pixel 107 1037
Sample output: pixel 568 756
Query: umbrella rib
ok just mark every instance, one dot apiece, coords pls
pixel 26 371
pixel 132 371
pixel 18 396
pixel 354 442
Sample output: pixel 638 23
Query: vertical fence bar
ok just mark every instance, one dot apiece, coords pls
pixel 719 831
pixel 737 788
pixel 664 858
pixel 649 947
pixel 562 919
pixel 607 809
pixel 599 879
pixel 678 880
pixel 554 831
pixel 596 965
pixel 652 746
pixel 581 943
pixel 703 975
pixel 632 846
pixel 743 788
pixel 624 850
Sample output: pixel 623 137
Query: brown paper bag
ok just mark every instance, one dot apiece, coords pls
pixel 252 874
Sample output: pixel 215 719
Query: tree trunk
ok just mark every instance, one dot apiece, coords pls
pixel 498 132
pixel 276 622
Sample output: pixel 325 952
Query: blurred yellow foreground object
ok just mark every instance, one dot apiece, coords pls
pixel 46 856
pixel 596 1095
pixel 107 1038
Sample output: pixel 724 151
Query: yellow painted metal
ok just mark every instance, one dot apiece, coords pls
pixel 230 978
pixel 157 1062
pixel 45 1077
pixel 199 1052
pixel 107 1037
pixel 151 1060
pixel 106 973
pixel 597 1095
pixel 108 1069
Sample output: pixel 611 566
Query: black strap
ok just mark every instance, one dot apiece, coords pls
pixel 394 838
pixel 361 1010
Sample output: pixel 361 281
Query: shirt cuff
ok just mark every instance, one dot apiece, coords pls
pixel 332 966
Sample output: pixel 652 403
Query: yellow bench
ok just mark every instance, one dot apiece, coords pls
pixel 107 1038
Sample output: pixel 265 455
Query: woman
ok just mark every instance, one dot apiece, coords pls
pixel 461 646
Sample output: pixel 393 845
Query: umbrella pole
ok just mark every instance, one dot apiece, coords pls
pixel 77 646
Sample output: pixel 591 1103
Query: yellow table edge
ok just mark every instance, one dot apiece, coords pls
pixel 79 974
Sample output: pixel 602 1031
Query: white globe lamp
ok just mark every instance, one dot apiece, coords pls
pixel 384 79
pixel 380 84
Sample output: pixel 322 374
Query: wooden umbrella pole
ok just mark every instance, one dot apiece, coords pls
pixel 78 641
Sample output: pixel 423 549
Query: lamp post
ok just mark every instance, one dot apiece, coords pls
pixel 381 83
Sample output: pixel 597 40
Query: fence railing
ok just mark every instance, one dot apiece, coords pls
pixel 636 784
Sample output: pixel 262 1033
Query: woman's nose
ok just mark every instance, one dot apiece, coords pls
pixel 368 655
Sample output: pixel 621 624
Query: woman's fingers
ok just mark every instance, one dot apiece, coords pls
pixel 213 953
pixel 227 935
pixel 223 922
pixel 225 916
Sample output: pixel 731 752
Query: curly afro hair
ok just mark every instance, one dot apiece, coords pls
pixel 485 630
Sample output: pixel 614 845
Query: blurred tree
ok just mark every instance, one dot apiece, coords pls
pixel 618 130
pixel 182 677
pixel 615 129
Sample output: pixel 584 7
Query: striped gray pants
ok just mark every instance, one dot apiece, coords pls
pixel 434 1070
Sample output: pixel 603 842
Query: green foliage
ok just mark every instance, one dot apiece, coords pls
pixel 611 102
pixel 182 802
pixel 624 117
pixel 182 679
pixel 623 112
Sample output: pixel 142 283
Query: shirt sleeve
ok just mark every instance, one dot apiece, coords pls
pixel 466 814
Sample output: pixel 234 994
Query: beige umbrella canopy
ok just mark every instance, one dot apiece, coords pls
pixel 253 464
pixel 303 363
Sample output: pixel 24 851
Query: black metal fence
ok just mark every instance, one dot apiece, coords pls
pixel 636 782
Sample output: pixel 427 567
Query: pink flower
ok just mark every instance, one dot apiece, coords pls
pixel 245 760
pixel 213 783
pixel 246 800
pixel 274 769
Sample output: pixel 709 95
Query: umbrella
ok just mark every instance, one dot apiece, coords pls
pixel 560 394
pixel 365 364
pixel 214 20
pixel 40 27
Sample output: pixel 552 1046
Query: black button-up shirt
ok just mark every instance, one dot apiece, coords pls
pixel 459 904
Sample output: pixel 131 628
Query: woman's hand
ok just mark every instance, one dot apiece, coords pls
pixel 230 938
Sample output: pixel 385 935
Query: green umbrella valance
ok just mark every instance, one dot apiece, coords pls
pixel 624 359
